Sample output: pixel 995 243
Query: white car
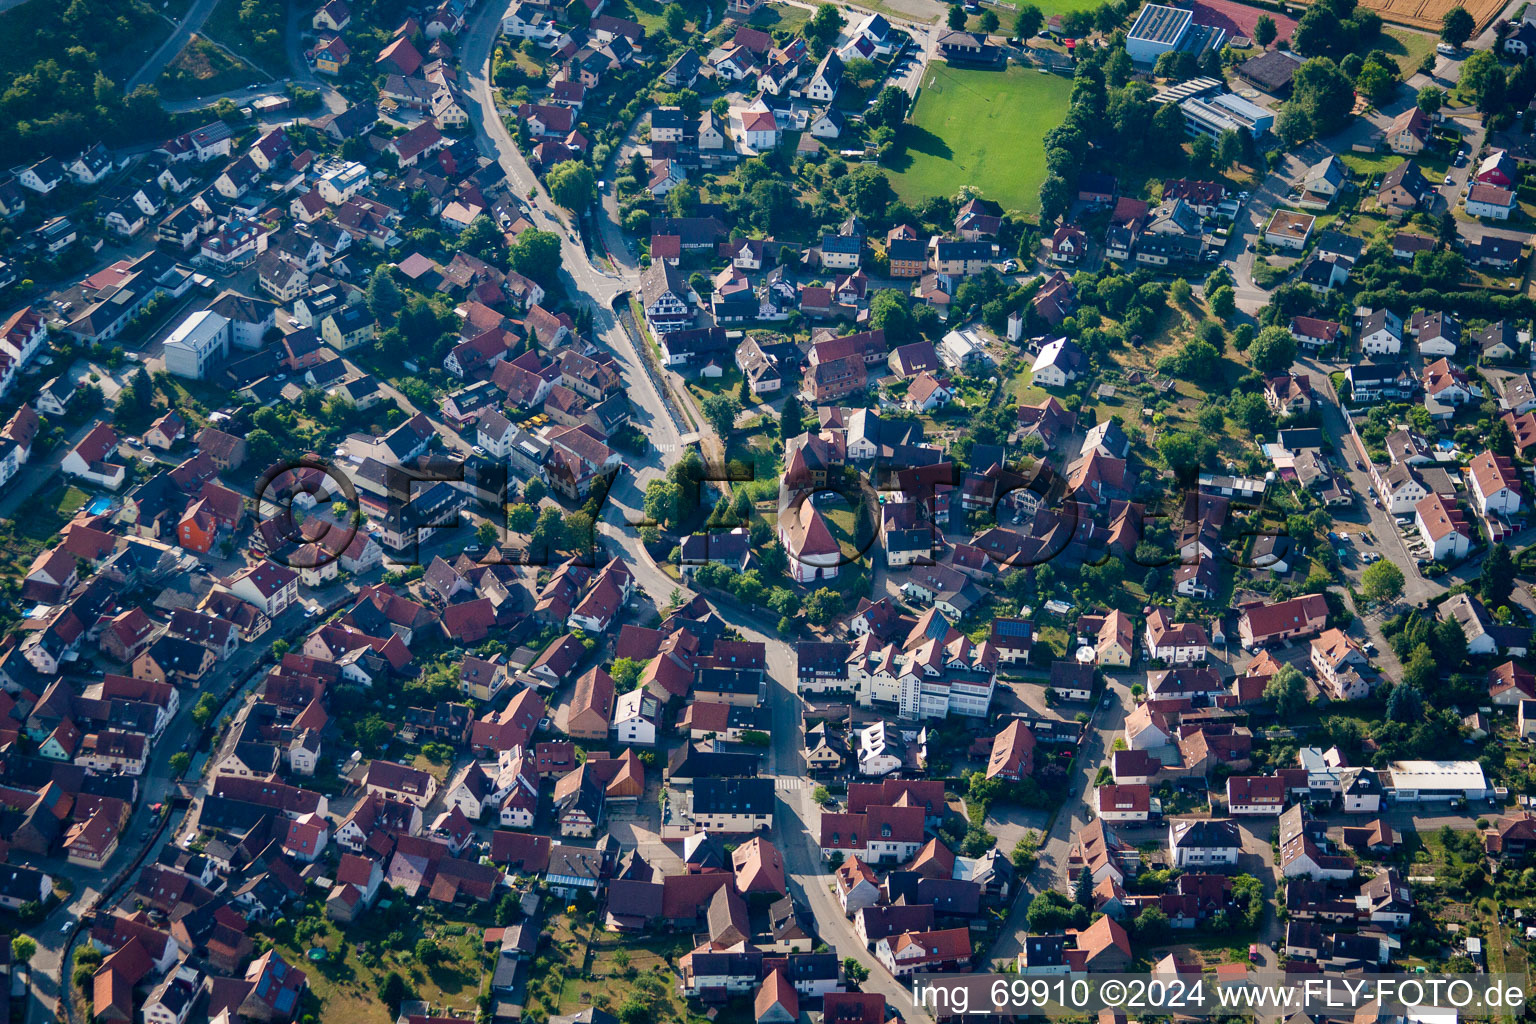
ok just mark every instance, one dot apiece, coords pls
pixel 1446 50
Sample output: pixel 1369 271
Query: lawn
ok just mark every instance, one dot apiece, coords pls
pixel 1050 8
pixel 1406 46
pixel 771 17
pixel 202 69
pixel 983 128
pixel 74 500
pixel 1368 164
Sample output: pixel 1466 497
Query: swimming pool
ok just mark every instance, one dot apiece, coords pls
pixel 99 505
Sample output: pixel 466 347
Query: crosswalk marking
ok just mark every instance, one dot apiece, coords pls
pixel 789 782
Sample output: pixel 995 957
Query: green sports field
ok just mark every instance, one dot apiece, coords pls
pixel 981 128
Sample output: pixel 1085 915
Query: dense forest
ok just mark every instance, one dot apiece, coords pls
pixel 59 90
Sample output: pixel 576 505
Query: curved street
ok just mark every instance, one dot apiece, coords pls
pixel 795 824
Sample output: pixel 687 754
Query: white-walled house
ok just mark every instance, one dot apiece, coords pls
pixel 1381 333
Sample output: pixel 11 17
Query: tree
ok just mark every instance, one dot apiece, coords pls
pixel 1166 140
pixel 1377 81
pixel 1223 302
pixel 1185 452
pixel 180 762
pixel 520 517
pixel 1202 153
pixel 1495 90
pixel 823 606
pixel 792 419
pixel 988 22
pixel 683 200
pixel 626 673
pixel 536 254
pixel 1251 412
pixel 676 20
pixel 1476 70
pixel 207 706
pixel 549 531
pixel 487 535
pixel 891 311
pixel 889 109
pixel 23 949
pixel 1430 99
pixel 821 795
pixel 1082 895
pixel 1264 30
pixel 1381 581
pixel 1152 925
pixel 1420 670
pixel 1055 197
pixel 854 970
pixel 1229 149
pixel 1496 581
pixel 1287 691
pixel 1293 124
pixel 868 191
pixel 1273 351
pixel 957 17
pixel 572 184
pixel 1324 91
pixel 383 294
pixel 824 24
pixel 1405 704
pixel 1051 911
pixel 663 502
pixel 721 411
pixel 1026 23
pixel 1457 26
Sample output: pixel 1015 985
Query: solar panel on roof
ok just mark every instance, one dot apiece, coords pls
pixel 1011 627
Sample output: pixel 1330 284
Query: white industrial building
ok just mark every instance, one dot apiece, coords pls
pixel 197 343
pixel 1417 781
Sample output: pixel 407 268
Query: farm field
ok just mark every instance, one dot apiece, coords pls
pixel 1428 14
pixel 982 128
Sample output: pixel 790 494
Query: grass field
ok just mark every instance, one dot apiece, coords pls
pixel 982 128
pixel 1407 47
pixel 779 16
pixel 1052 7
pixel 202 69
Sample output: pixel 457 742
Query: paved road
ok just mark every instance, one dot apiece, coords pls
pixel 577 272
pixel 1051 872
pixel 299 68
pixel 795 823
pixel 155 787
